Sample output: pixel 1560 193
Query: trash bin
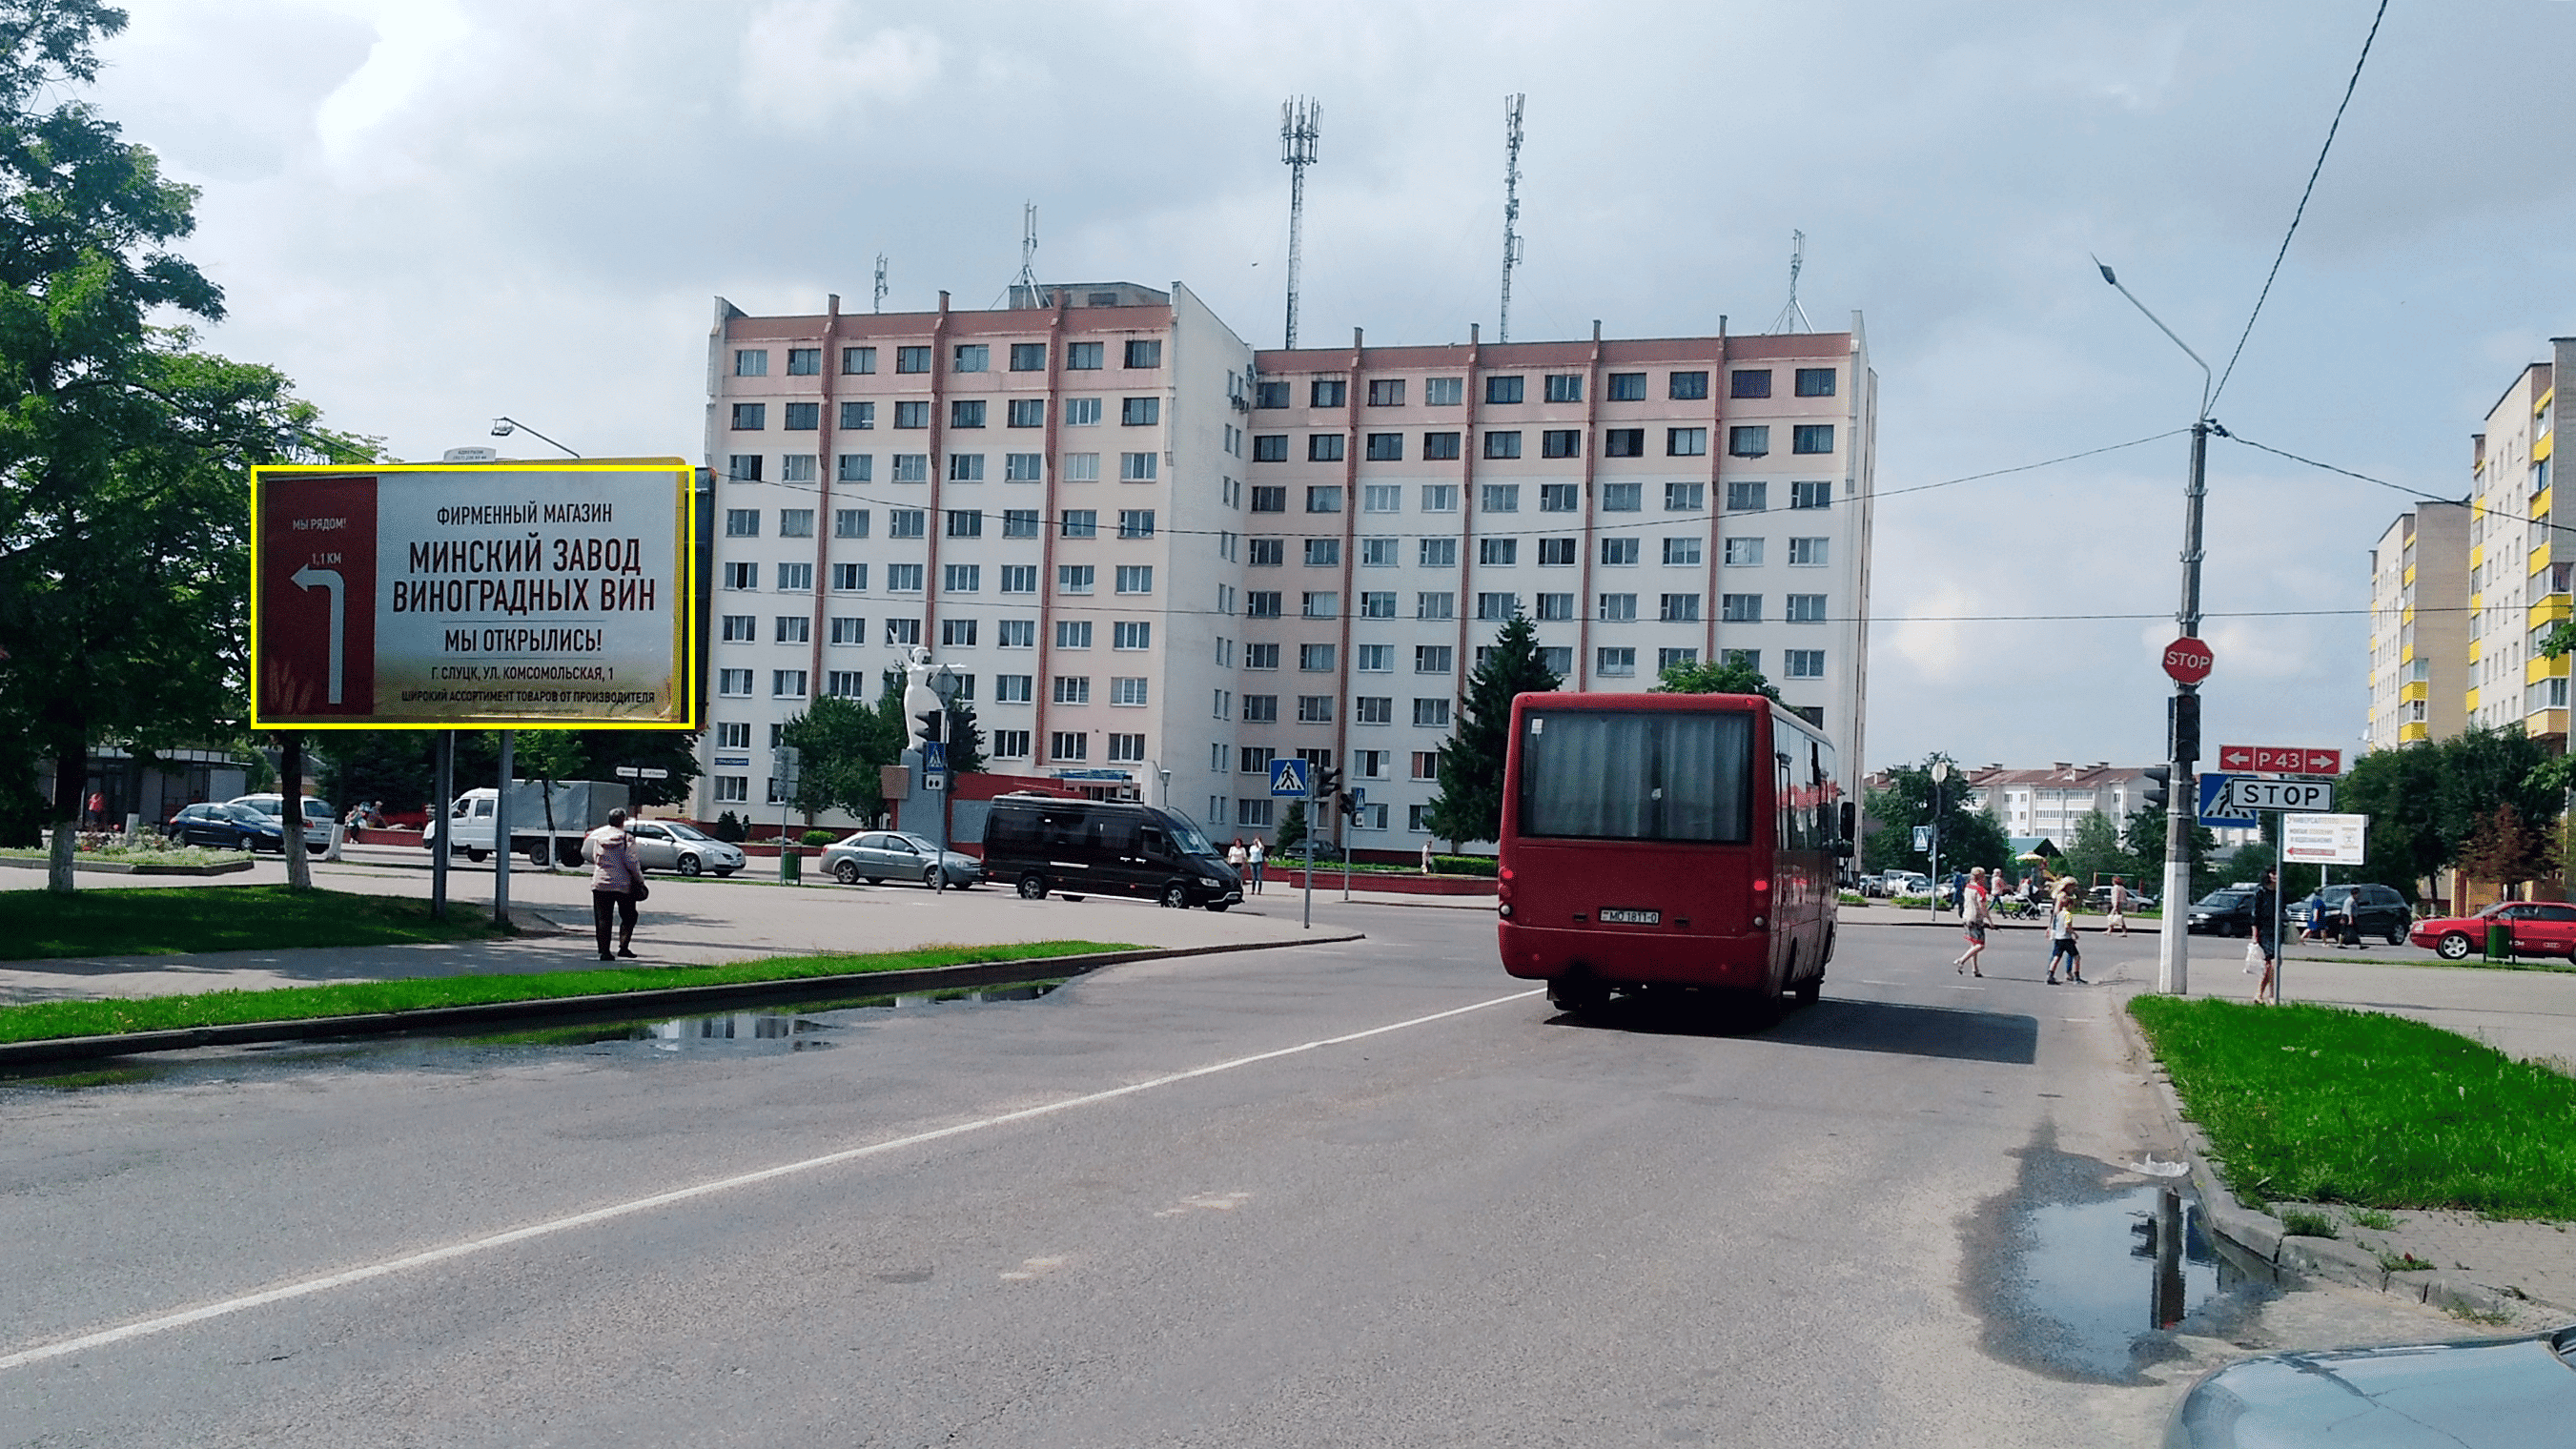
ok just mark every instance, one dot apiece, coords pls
pixel 791 865
pixel 2499 941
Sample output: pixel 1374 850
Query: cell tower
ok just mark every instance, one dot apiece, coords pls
pixel 1026 284
pixel 1793 318
pixel 1301 125
pixel 1511 207
pixel 880 298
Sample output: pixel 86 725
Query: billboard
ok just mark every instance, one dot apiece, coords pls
pixel 486 596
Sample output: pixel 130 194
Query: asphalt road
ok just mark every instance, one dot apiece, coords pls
pixel 1177 1203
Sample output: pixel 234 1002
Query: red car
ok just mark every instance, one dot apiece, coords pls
pixel 2540 928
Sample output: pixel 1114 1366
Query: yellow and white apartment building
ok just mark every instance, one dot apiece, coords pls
pixel 2518 578
pixel 2419 634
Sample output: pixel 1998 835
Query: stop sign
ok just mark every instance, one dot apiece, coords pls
pixel 2187 660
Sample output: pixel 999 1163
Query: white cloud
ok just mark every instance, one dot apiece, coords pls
pixel 799 71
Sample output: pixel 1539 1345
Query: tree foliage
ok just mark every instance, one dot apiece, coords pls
pixel 1969 838
pixel 1726 675
pixel 2507 849
pixel 1470 803
pixel 1292 828
pixel 842 743
pixel 2426 800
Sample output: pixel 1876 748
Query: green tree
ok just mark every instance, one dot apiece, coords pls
pixel 1292 829
pixel 2095 854
pixel 1724 675
pixel 1470 803
pixel 2508 850
pixel 1969 838
pixel 2145 835
pixel 842 743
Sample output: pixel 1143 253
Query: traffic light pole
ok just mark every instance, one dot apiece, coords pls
pixel 2173 942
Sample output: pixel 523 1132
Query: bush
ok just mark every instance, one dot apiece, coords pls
pixel 1484 865
pixel 730 828
pixel 818 837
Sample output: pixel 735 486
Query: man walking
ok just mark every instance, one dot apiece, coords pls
pixel 2267 908
pixel 1974 914
pixel 2118 925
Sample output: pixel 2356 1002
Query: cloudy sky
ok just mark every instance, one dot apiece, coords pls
pixel 430 212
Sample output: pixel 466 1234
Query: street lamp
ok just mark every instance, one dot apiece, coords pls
pixel 1940 774
pixel 2182 716
pixel 503 427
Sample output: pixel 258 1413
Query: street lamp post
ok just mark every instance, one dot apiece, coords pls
pixel 1940 774
pixel 2182 714
pixel 504 427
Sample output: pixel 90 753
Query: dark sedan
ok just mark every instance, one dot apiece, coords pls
pixel 2487 1394
pixel 226 827
pixel 2227 912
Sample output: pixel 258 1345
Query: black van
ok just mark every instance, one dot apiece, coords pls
pixel 1104 847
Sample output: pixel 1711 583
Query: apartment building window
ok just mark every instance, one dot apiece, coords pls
pixel 741 628
pixel 1499 498
pixel 796 468
pixel 1131 635
pixel 1808 553
pixel 912 359
pixel 966 412
pixel 1270 394
pixel 1803 663
pixel 1323 553
pixel 961 578
pixel 965 523
pixel 1497 606
pixel 750 417
pixel 1082 467
pixel 965 467
pixel 1382 498
pixel 858 360
pixel 794 629
pixel 1079 522
pixel 1439 447
pixel 1074 578
pixel 742 523
pixel 1327 393
pixel 972 357
pixel 751 362
pixel 1140 412
pixel 1678 551
pixel 1135 523
pixel 1378 603
pixel 915 414
pixel 1027 357
pixel 1261 603
pixel 1679 609
pixel 787 683
pixel 1749 441
pixel 742 468
pixel 1619 552
pixel 1555 607
pixel 1806 608
pixel 1073 689
pixel 1743 553
pixel 1270 448
pixel 1261 709
pixel 912 467
pixel 1561 443
pixel 1020 523
pixel 859 416
pixel 1323 447
pixel 1069 745
pixel 1436 553
pixel 1502 444
pixel 1812 438
pixel 1498 552
pixel 1740 608
pixel 1431 713
pixel 1386 447
pixel 906 522
pixel 1747 497
pixel 1375 659
pixel 1565 387
pixel 1127 692
pixel 1437 604
pixel 1686 442
pixel 1322 604
pixel 796 578
pixel 804 417
pixel 1019 578
pixel 733 789
pixel 1432 658
pixel 1261 656
pixel 1135 578
pixel 1558 659
pixel 1747 658
pixel 1623 497
pixel 734 682
pixel 1252 814
pixel 1014 688
pixel 849 629
pixel 1014 634
pixel 1675 659
pixel 1624 442
pixel 1750 382
pixel 1314 709
pixel 903 633
pixel 742 576
pixel 1127 749
pixel 1026 412
pixel 1268 553
pixel 1685 497
pixel 957 633
pixel 1082 412
pixel 1560 497
pixel 1503 390
pixel 1386 392
pixel 1139 467
pixel 1618 608
pixel 1617 663
pixel 1815 382
pixel 1687 386
pixel 1144 353
pixel 1324 498
pixel 844 683
pixel 1627 387
pixel 1010 744
pixel 903 578
pixel 1374 709
pixel 1443 392
pixel 849 523
pixel 1426 763
pixel 1082 357
pixel 1818 494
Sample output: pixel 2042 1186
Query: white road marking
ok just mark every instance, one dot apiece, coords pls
pixel 1222 1202
pixel 1865 981
pixel 309 1286
pixel 1963 986
pixel 1032 1268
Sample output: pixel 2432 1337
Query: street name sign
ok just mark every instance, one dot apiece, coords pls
pixel 2188 660
pixel 462 595
pixel 2279 760
pixel 1288 779
pixel 639 772
pixel 2214 803
pixel 2324 839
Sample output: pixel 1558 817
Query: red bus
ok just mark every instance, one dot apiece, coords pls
pixel 1669 840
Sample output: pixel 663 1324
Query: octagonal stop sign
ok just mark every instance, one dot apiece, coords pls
pixel 2187 659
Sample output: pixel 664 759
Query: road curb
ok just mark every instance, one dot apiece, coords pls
pixel 614 1006
pixel 2261 1236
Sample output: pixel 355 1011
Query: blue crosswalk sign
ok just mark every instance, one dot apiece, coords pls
pixel 1288 779
pixel 934 755
pixel 2214 799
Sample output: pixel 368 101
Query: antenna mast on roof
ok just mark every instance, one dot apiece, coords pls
pixel 880 298
pixel 1301 125
pixel 1793 318
pixel 1027 282
pixel 1511 207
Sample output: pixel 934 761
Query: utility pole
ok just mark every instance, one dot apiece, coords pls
pixel 1301 125
pixel 1511 207
pixel 881 269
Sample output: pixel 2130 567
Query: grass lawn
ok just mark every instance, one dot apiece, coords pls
pixel 47 1019
pixel 37 925
pixel 2322 1104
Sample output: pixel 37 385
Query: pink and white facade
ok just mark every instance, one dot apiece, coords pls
pixel 1165 558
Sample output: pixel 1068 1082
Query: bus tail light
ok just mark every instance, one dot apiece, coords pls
pixel 1761 883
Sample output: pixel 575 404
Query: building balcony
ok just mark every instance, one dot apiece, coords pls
pixel 2413 730
pixel 2536 670
pixel 2414 690
pixel 2545 722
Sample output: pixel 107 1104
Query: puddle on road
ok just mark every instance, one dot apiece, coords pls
pixel 763 1031
pixel 2082 1273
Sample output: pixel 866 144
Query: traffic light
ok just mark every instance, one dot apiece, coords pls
pixel 1350 807
pixel 2182 733
pixel 1328 783
pixel 928 732
pixel 2159 786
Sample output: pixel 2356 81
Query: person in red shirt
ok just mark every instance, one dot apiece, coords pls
pixel 1975 911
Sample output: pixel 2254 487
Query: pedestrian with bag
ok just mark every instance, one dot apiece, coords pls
pixel 616 884
pixel 2348 919
pixel 1975 912
pixel 1235 857
pixel 2118 924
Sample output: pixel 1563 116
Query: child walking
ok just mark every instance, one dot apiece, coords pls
pixel 2061 939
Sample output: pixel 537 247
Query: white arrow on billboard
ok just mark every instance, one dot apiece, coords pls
pixel 309 577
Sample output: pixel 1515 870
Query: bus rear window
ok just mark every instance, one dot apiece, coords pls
pixel 1623 776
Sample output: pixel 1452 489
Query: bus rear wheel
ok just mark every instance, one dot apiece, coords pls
pixel 1576 995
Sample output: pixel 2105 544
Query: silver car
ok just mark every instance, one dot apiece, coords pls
pixel 678 845
pixel 879 855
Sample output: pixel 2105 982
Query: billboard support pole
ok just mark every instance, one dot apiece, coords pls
pixel 501 833
pixel 440 797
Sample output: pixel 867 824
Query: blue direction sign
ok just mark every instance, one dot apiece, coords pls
pixel 1288 779
pixel 2213 789
pixel 934 756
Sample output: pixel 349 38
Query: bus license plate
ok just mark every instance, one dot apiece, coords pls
pixel 1615 916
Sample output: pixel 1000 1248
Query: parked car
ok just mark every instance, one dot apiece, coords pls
pixel 318 819
pixel 1904 883
pixel 2099 899
pixel 2540 928
pixel 2227 911
pixel 225 827
pixel 2384 913
pixel 878 855
pixel 678 845
pixel 2415 1396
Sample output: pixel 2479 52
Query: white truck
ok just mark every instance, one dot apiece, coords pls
pixel 578 808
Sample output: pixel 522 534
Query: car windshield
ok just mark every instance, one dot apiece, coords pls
pixel 1189 839
pixel 2225 899
pixel 915 841
pixel 685 832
